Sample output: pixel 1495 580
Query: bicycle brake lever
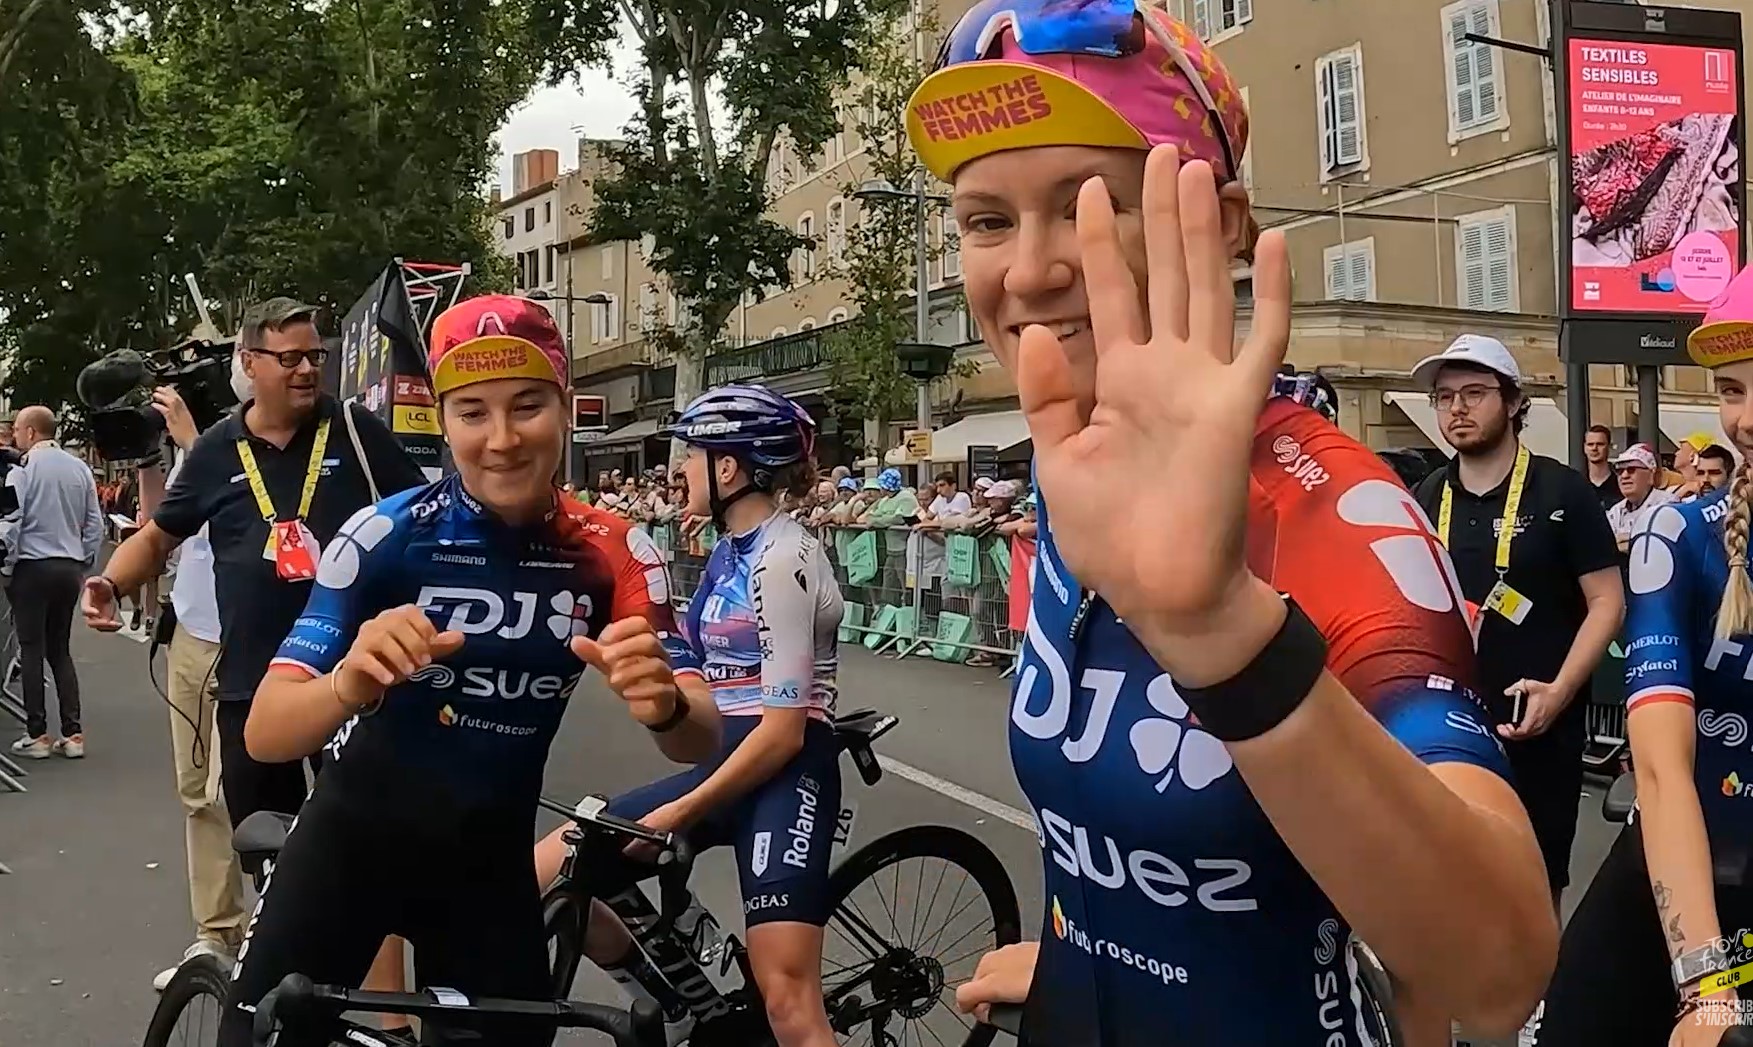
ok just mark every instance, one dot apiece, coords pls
pixel 674 867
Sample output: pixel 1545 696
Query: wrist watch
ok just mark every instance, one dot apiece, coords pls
pixel 675 718
pixel 1695 965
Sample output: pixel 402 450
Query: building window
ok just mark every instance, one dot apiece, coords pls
pixel 1351 270
pixel 1210 18
pixel 529 219
pixel 838 316
pixel 1339 91
pixel 523 276
pixel 952 246
pixel 608 262
pixel 806 255
pixel 510 227
pixel 778 332
pixel 836 230
pixel 548 266
pixel 605 321
pixel 648 305
pixel 547 212
pixel 1475 105
pixel 1247 160
pixel 1485 260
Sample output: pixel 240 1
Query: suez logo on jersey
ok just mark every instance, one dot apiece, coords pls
pixel 1212 881
pixel 477 612
pixel 480 681
pixel 1303 467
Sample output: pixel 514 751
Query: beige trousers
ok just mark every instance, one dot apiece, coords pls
pixel 215 883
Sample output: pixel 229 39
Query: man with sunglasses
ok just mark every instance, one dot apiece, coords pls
pixel 273 482
pixel 1540 569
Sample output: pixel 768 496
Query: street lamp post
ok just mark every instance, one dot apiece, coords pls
pixel 879 189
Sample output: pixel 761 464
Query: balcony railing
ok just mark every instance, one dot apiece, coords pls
pixel 788 354
pixel 629 354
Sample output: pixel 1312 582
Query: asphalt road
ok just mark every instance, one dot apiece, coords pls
pixel 97 902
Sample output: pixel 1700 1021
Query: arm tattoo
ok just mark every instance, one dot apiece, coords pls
pixel 1663 896
pixel 1675 935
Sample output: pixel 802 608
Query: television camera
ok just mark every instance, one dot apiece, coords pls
pixel 118 389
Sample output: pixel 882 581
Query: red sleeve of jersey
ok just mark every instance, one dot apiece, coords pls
pixel 635 565
pixel 1330 524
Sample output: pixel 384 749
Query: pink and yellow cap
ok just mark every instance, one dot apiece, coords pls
pixel 1016 100
pixel 1726 335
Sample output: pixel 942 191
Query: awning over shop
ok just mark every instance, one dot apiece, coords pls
pixel 626 438
pixel 1679 421
pixel 1547 431
pixel 1005 430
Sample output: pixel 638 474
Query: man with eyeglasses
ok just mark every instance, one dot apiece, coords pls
pixel 273 482
pixel 1538 566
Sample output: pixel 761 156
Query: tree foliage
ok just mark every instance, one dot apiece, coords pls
pixel 269 147
pixel 719 82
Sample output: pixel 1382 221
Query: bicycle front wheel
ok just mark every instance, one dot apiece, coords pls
pixel 188 1013
pixel 913 913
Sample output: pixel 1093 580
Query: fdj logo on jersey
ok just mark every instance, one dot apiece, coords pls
pixel 477 612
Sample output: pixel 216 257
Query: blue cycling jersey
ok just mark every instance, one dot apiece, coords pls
pixel 763 627
pixel 1176 914
pixel 1677 573
pixel 471 731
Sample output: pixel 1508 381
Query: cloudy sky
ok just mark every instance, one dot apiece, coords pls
pixel 598 106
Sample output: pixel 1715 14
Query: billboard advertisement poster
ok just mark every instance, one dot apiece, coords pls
pixel 1656 200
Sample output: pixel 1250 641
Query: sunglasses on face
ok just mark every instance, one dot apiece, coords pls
pixel 291 358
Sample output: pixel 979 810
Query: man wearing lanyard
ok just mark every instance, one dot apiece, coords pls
pixel 272 482
pixel 1540 570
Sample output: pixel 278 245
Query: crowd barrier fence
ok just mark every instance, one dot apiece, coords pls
pixel 957 597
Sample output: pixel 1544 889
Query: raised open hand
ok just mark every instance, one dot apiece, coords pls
pixel 1148 494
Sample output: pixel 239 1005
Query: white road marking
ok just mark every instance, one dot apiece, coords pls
pixel 979 801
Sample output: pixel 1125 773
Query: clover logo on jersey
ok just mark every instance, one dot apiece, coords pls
pixel 1652 561
pixel 1414 557
pixel 364 531
pixel 571 616
pixel 1171 744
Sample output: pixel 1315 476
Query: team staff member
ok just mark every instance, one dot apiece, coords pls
pixel 1539 565
pixel 1597 449
pixel 281 469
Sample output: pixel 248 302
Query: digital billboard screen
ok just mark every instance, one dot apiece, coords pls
pixel 1656 203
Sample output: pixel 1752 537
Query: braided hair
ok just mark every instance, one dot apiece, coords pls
pixel 1734 616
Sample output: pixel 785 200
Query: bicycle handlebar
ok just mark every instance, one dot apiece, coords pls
pixel 674 861
pixel 298 997
pixel 1006 1017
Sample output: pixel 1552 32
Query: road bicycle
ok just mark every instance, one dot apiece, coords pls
pixel 901 974
pixel 902 970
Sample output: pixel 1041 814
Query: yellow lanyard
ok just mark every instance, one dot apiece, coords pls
pixel 1512 501
pixel 260 489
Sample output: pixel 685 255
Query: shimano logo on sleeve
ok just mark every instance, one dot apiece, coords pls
pixel 797 853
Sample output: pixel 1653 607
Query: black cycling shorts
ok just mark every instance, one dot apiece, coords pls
pixel 358 868
pixel 1613 984
pixel 783 830
pixel 1547 771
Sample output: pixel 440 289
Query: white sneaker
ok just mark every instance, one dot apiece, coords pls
pixel 202 947
pixel 72 748
pixel 29 748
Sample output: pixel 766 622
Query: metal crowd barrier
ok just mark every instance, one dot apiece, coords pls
pixel 908 592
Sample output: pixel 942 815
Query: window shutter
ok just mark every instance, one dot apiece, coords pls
pixel 1202 26
pixel 1359 262
pixel 1244 11
pixel 1499 265
pixel 1348 118
pixel 1461 59
pixel 1336 275
pixel 1324 90
pixel 1484 64
pixel 1473 265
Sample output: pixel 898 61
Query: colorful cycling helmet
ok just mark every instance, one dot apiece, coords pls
pixel 1726 335
pixel 748 422
pixel 1018 74
pixel 890 480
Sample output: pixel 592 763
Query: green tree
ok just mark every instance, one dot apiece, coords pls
pixel 879 260
pixel 691 176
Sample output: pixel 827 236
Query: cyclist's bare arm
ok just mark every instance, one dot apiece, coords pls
pixel 141 558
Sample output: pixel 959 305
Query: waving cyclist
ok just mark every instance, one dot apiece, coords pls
pixel 1227 783
pixel 438 651
pixel 1646 939
pixel 762 632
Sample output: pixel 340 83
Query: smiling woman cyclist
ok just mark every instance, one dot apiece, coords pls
pixel 1642 944
pixel 438 651
pixel 1317 766
pixel 762 632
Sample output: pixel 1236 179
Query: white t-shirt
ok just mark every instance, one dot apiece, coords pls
pixel 959 505
pixel 191 594
pixel 1627 521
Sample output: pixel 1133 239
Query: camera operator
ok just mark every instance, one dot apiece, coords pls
pixel 272 482
pixel 215 879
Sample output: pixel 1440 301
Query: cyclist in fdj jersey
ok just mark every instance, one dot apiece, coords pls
pixel 762 632
pixel 438 650
pixel 1676 885
pixel 1226 784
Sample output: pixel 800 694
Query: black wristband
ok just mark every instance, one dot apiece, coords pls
pixel 1269 688
pixel 675 718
